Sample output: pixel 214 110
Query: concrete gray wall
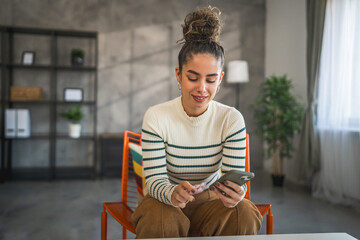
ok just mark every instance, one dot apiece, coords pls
pixel 286 54
pixel 138 51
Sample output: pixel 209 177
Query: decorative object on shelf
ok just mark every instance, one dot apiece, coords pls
pixel 17 123
pixel 237 72
pixel 28 58
pixel 10 123
pixel 278 117
pixel 73 95
pixel 18 93
pixel 23 123
pixel 74 115
pixel 77 57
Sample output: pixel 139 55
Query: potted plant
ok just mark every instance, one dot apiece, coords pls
pixel 74 115
pixel 278 117
pixel 77 57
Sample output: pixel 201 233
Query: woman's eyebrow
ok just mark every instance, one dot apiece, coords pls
pixel 193 72
pixel 209 75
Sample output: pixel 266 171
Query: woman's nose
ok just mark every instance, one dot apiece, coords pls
pixel 202 86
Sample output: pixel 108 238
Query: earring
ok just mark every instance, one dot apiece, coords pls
pixel 218 89
pixel 179 86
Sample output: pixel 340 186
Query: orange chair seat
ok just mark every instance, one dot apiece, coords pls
pixel 122 213
pixel 263 208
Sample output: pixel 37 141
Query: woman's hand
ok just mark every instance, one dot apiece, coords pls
pixel 229 197
pixel 182 194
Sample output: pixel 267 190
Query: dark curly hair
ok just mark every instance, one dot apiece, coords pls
pixel 201 34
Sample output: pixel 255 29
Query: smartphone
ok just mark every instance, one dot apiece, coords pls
pixel 238 177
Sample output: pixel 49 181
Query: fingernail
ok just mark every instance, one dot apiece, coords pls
pixel 193 191
pixel 211 188
pixel 217 184
pixel 226 182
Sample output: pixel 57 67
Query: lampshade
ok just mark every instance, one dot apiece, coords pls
pixel 237 72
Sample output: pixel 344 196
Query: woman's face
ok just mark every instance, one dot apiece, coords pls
pixel 199 79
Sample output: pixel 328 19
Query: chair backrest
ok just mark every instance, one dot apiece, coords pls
pixel 133 183
pixel 129 189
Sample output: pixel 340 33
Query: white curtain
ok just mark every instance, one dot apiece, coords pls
pixel 338 115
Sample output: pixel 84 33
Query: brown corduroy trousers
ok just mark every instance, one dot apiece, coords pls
pixel 206 216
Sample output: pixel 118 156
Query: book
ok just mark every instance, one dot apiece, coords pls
pixel 23 123
pixel 10 123
pixel 17 123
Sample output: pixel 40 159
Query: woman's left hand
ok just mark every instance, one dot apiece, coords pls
pixel 229 197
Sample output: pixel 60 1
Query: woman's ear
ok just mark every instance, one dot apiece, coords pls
pixel 221 77
pixel 178 74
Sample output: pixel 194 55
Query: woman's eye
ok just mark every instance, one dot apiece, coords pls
pixel 211 81
pixel 192 79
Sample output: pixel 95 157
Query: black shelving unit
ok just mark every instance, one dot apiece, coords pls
pixel 53 63
pixel 2 102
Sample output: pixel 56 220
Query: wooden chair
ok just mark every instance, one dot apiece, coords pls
pixel 121 211
pixel 263 208
pixel 130 190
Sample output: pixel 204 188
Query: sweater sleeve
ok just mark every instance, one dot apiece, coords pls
pixel 154 160
pixel 234 148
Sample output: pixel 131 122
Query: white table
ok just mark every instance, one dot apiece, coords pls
pixel 299 236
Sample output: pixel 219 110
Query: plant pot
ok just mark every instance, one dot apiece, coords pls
pixel 74 130
pixel 278 180
pixel 77 61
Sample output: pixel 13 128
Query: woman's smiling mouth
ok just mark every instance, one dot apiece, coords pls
pixel 199 98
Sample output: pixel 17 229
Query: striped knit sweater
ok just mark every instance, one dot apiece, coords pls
pixel 178 148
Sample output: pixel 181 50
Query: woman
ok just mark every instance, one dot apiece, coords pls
pixel 187 140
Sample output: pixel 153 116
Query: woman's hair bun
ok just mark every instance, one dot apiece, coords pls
pixel 202 25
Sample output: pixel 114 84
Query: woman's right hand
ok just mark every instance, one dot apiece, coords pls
pixel 182 194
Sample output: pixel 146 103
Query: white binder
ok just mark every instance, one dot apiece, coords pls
pixel 10 123
pixel 23 123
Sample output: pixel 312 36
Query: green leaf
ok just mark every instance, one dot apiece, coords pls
pixel 74 114
pixel 277 114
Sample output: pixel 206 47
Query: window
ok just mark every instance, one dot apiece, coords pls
pixel 339 76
